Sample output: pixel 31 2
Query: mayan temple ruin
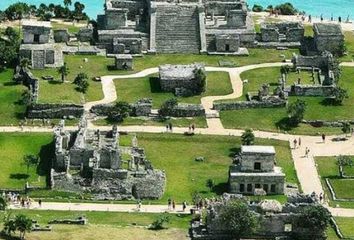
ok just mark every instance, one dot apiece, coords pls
pixel 90 161
pixel 175 27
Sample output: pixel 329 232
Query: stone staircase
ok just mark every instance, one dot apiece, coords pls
pixel 282 37
pixel 177 29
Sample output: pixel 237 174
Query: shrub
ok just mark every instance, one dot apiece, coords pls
pixel 338 95
pixel 296 112
pixel 81 81
pixel 247 137
pixel 257 8
pixel 159 223
pixel 119 112
pixel 286 9
pixel 167 106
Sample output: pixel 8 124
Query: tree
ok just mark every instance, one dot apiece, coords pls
pixel 296 111
pixel 196 198
pixel 200 77
pixel 344 161
pixel 30 160
pixel 78 11
pixel 247 137
pixel 346 128
pixel 167 106
pixel 210 184
pixel 237 219
pixel 17 11
pixel 64 71
pixel 257 8
pixel 3 203
pixel 9 47
pixel 316 218
pixel 119 112
pixel 286 9
pixel 9 225
pixel 67 3
pixel 81 81
pixel 23 224
pixel 338 95
pixel 159 223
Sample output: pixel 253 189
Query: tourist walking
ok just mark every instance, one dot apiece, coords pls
pixel 169 202
pixel 173 205
pixel 170 126
pixel 323 137
pixel 307 151
pixel 299 142
pixel 193 127
pixel 295 143
pixel 321 197
pixel 184 206
pixel 40 202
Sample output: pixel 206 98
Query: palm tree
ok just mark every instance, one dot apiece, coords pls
pixel 67 3
pixel 64 71
pixel 23 224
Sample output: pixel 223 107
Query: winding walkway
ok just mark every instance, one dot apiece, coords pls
pixel 305 166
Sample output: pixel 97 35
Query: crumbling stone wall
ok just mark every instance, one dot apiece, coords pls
pixel 270 103
pixel 85 34
pixel 186 110
pixel 45 111
pixel 61 35
pixel 312 90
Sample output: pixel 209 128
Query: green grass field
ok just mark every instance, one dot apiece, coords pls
pixel 273 119
pixel 170 152
pixel 13 147
pixel 11 111
pixel 327 168
pixel 131 90
pixel 106 225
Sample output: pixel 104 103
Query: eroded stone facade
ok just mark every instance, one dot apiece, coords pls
pixel 91 161
pixel 255 169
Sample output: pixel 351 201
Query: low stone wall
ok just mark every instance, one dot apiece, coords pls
pixel 324 123
pixel 25 76
pixel 43 111
pixel 186 110
pixel 101 109
pixel 140 108
pixel 311 90
pixel 237 105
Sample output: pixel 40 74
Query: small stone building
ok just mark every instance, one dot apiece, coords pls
pixel 328 37
pixel 255 169
pixel 124 62
pixel 227 43
pixel 36 32
pixel 282 32
pixel 174 78
pixel 90 161
pixel 61 35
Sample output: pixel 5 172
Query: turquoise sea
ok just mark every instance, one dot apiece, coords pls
pixel 341 8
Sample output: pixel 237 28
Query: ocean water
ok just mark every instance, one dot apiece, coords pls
pixel 327 8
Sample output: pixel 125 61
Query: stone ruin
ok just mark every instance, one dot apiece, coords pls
pixel 181 79
pixel 124 62
pixel 328 37
pixel 161 26
pixel 38 45
pixel 90 161
pixel 254 168
pixel 284 34
pixel 322 68
pixel 277 221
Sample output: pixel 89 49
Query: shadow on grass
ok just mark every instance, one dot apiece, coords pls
pixel 19 176
pixel 46 156
pixel 285 124
pixel 9 84
pixel 220 188
pixel 55 82
pixel 155 86
pixel 329 102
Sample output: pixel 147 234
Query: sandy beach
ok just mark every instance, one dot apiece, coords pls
pixel 262 16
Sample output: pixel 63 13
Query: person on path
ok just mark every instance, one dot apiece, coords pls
pixel 170 126
pixel 307 151
pixel 139 206
pixel 40 202
pixel 321 197
pixel 323 137
pixel 167 128
pixel 193 127
pixel 321 18
pixel 173 205
pixel 295 143
pixel 299 142
pixel 169 202
pixel 184 206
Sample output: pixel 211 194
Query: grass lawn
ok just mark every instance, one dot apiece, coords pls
pixel 107 225
pixel 199 122
pixel 349 43
pixel 272 119
pixel 176 155
pixel 11 111
pixel 131 90
pixel 13 147
pixel 71 28
pixel 346 225
pixel 327 168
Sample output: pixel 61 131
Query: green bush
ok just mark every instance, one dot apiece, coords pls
pixel 257 8
pixel 286 9
pixel 160 222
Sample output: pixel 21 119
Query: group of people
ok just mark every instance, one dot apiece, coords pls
pixel 171 204
pixel 17 199
pixel 322 18
pixel 169 127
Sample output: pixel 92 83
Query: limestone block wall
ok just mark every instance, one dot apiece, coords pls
pixel 85 35
pixel 311 90
pixel 29 33
pixel 116 18
pixel 331 43
pixel 295 34
pixel 187 110
pixel 133 6
pixel 227 43
pixel 248 160
pixel 224 106
pixel 256 181
pixel 61 35
pixel 269 35
pixel 50 111
pixel 236 18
